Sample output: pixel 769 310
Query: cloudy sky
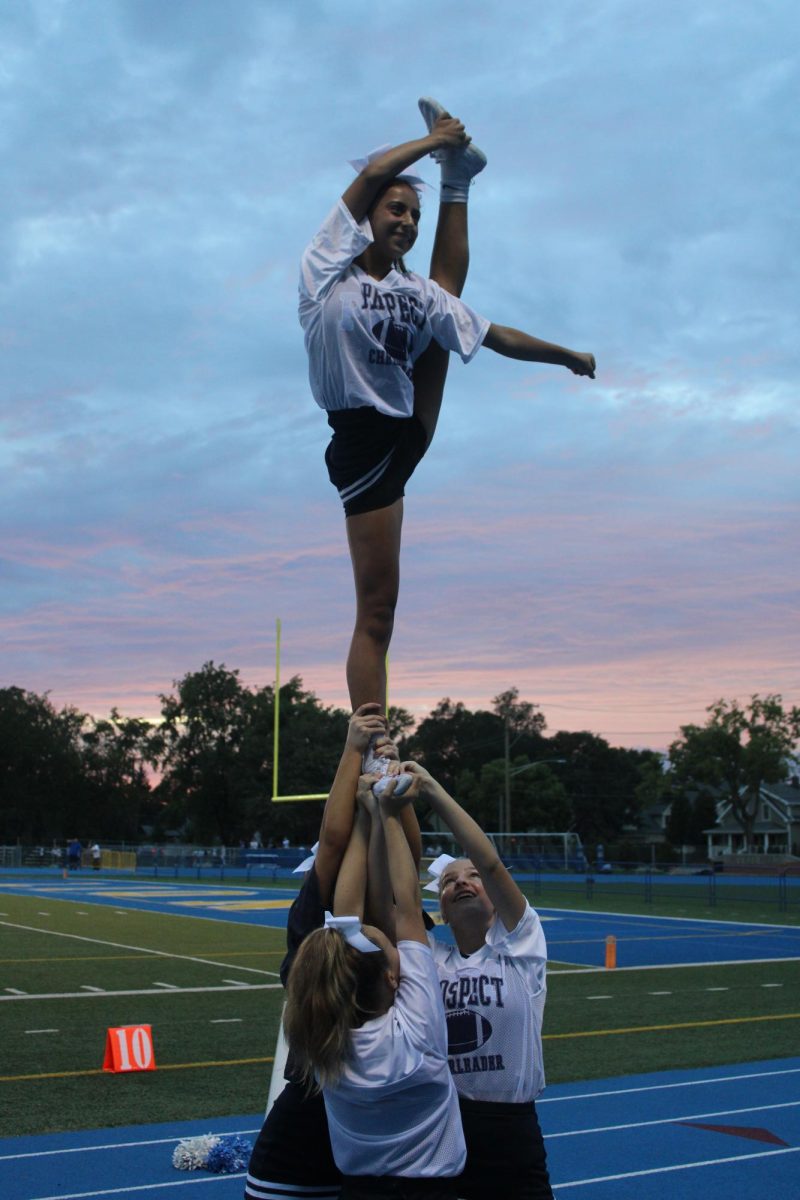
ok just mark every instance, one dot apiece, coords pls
pixel 623 551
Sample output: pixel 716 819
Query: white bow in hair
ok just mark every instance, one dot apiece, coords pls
pixel 350 929
pixel 307 863
pixel 358 165
pixel 435 869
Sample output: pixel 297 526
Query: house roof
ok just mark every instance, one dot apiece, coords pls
pixel 787 793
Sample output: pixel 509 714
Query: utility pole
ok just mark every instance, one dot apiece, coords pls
pixel 507 790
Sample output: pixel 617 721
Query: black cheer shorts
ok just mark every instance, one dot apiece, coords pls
pixel 370 456
pixel 505 1152
pixel 292 1156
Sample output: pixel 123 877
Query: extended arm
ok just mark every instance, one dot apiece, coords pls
pixel 362 191
pixel 403 873
pixel 500 887
pixel 337 818
pixel 379 908
pixel 385 748
pixel 351 882
pixel 513 343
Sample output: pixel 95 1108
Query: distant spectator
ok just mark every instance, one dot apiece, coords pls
pixel 97 856
pixel 74 850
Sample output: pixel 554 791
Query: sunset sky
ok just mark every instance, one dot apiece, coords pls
pixel 623 551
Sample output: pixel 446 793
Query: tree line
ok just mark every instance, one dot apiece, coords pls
pixel 203 772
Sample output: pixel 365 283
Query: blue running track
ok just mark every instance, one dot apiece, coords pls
pixel 701 1134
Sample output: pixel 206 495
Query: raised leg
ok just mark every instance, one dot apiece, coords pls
pixel 449 265
pixel 450 256
pixel 374 540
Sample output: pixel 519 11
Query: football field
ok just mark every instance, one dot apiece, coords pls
pixel 198 964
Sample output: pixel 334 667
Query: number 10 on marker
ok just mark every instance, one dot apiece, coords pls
pixel 129 1048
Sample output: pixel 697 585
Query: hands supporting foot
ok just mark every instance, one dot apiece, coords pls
pixel 460 164
pixel 380 758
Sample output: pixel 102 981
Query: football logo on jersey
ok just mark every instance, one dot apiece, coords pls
pixel 394 337
pixel 467 1030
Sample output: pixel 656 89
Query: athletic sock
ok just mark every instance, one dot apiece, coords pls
pixel 459 168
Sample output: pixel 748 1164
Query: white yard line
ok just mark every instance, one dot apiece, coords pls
pixel 725 1112
pixel 104 1146
pixel 96 994
pixel 209 962
pixel 728 962
pixel 663 1087
pixel 708 1162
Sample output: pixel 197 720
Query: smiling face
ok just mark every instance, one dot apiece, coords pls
pixel 462 897
pixel 394 218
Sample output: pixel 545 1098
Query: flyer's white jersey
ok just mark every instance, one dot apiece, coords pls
pixel 364 335
pixel 494 1006
pixel 394 1111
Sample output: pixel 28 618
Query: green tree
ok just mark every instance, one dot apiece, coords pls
pixel 400 722
pixel 737 751
pixel 41 772
pixel 452 739
pixel 202 730
pixel 601 782
pixel 680 822
pixel 217 765
pixel 118 755
pixel 539 800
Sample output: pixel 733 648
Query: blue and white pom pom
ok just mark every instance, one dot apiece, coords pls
pixel 212 1152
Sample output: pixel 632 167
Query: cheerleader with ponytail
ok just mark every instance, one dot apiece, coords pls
pixel 365 1023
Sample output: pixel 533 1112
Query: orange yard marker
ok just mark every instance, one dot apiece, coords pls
pixel 611 952
pixel 129 1048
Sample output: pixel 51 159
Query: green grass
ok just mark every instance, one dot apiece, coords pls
pixel 697 1027
pixel 54 1081
pixel 214 1048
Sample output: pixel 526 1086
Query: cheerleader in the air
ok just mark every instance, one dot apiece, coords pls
pixel 368 322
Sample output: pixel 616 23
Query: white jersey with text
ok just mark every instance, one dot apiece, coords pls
pixel 494 1006
pixel 363 335
pixel 394 1111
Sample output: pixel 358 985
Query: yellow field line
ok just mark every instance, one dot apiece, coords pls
pixel 137 957
pixel 676 1025
pixel 231 1062
pixel 238 1062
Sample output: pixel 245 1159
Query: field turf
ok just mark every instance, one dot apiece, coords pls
pixel 209 990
